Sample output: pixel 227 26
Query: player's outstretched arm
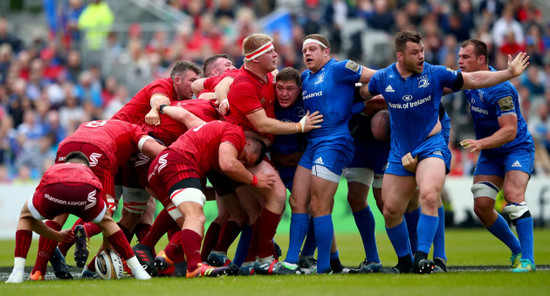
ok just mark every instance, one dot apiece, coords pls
pixel 182 115
pixel 197 86
pixel 366 75
pixel 28 222
pixel 150 147
pixel 272 126
pixel 481 79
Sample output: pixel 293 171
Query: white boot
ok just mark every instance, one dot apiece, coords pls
pixel 137 270
pixel 16 276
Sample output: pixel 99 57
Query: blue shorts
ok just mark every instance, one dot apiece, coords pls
pixel 370 154
pixel 521 159
pixel 287 175
pixel 334 154
pixel 433 146
pixel 446 128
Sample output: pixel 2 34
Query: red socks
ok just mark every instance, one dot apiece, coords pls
pixel 121 245
pixel 45 249
pixel 23 240
pixel 191 242
pixel 210 240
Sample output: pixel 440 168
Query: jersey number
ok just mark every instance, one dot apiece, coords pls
pixel 96 123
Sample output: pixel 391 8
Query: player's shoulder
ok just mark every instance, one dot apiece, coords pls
pixel 502 89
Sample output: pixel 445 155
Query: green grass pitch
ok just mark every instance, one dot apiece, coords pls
pixel 471 247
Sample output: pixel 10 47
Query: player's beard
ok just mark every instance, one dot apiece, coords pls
pixel 412 66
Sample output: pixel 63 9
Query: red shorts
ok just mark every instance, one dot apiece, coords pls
pixel 80 199
pixel 99 163
pixel 134 173
pixel 166 170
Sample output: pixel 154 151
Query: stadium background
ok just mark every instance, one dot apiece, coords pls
pixel 63 63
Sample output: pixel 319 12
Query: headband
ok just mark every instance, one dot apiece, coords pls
pixel 258 52
pixel 311 40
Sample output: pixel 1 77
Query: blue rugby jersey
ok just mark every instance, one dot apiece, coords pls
pixel 288 144
pixel 413 103
pixel 490 103
pixel 331 91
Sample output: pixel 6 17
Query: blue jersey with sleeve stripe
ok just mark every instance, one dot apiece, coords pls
pixel 488 104
pixel 413 103
pixel 331 91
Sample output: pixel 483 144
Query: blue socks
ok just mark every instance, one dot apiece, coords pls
pixel 501 230
pixel 412 223
pixel 399 237
pixel 309 245
pixel 427 225
pixel 439 238
pixel 299 224
pixel 242 247
pixel 524 227
pixel 324 231
pixel 364 220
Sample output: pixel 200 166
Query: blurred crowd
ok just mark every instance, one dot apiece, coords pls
pixel 87 65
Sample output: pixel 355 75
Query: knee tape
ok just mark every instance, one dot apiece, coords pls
pixel 135 199
pixel 173 211
pixel 111 204
pixel 517 210
pixel 377 182
pixel 485 189
pixel 188 194
pixel 361 175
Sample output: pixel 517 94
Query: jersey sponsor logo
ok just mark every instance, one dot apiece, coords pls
pixel 424 82
pixel 408 105
pixel 92 200
pixel 320 78
pixel 94 159
pixel 389 89
pixel 311 95
pixel 77 203
pixel 162 162
pixel 478 110
pixel 353 66
pixel 506 104
pixel 516 164
pixel 142 159
pixel 407 98
pixel 319 161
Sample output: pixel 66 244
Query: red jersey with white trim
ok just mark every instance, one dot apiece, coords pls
pixel 136 109
pixel 201 144
pixel 118 139
pixel 69 173
pixel 211 82
pixel 248 94
pixel 169 129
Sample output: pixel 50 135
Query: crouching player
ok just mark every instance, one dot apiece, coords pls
pixel 69 187
pixel 178 173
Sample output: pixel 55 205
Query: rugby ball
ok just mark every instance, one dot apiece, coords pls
pixel 108 265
